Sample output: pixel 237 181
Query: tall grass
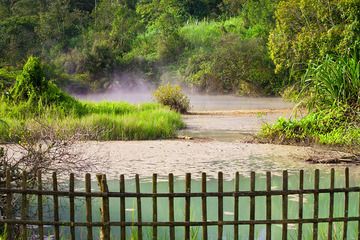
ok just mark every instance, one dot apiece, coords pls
pixel 331 91
pixel 332 83
pixel 95 121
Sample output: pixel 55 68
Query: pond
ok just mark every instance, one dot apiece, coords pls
pixel 228 210
pixel 219 125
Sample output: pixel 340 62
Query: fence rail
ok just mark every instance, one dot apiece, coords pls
pixel 105 223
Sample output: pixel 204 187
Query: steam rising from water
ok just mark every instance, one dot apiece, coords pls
pixel 136 88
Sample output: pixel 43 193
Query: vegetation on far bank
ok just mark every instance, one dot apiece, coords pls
pixel 331 92
pixel 34 103
pixel 253 47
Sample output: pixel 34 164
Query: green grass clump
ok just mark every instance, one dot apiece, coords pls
pixel 331 92
pixel 33 102
pixel 333 127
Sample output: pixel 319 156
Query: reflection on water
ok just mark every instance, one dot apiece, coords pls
pixel 228 211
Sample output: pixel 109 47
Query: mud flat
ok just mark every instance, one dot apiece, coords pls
pixel 179 157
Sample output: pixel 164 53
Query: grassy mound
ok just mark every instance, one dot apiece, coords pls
pixel 33 102
pixel 331 92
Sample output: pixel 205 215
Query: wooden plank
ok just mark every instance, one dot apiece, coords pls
pixel 301 204
pixel 105 211
pixel 24 206
pixel 316 204
pixel 72 206
pixel 236 206
pixel 331 207
pixel 138 203
pixel 252 207
pixel 155 218
pixel 268 205
pixel 204 206
pixel 9 207
pixel 122 208
pixel 40 206
pixel 88 207
pixel 346 204
pixel 187 205
pixel 220 205
pixel 56 207
pixel 171 207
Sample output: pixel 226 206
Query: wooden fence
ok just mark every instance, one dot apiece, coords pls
pixel 104 195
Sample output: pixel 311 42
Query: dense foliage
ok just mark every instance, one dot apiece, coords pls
pixel 85 44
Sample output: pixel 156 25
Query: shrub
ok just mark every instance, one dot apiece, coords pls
pixel 173 97
pixel 332 83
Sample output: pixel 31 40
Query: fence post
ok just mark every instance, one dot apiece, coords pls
pixel 204 207
pixel 316 204
pixel 155 218
pixel 171 206
pixel 24 209
pixel 252 207
pixel 268 205
pixel 122 208
pixel 105 215
pixel 88 207
pixel 220 205
pixel 285 205
pixel 187 205
pixel 40 206
pixel 346 207
pixel 236 206
pixel 331 206
pixel 56 207
pixel 138 203
pixel 72 206
pixel 8 226
pixel 301 200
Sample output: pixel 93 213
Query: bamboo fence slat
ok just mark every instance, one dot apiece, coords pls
pixel 346 207
pixel 252 207
pixel 40 206
pixel 171 206
pixel 220 205
pixel 331 206
pixel 122 208
pixel 301 202
pixel 316 204
pixel 155 211
pixel 24 206
pixel 204 207
pixel 187 205
pixel 268 205
pixel 285 205
pixel 88 207
pixel 56 207
pixel 236 205
pixel 72 206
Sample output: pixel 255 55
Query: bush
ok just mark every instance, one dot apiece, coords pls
pixel 173 97
pixel 332 83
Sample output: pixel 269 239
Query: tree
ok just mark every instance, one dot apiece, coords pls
pixel 308 30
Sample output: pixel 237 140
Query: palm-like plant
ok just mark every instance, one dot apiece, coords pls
pixel 332 83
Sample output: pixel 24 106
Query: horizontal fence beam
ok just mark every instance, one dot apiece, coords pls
pixel 182 224
pixel 177 195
